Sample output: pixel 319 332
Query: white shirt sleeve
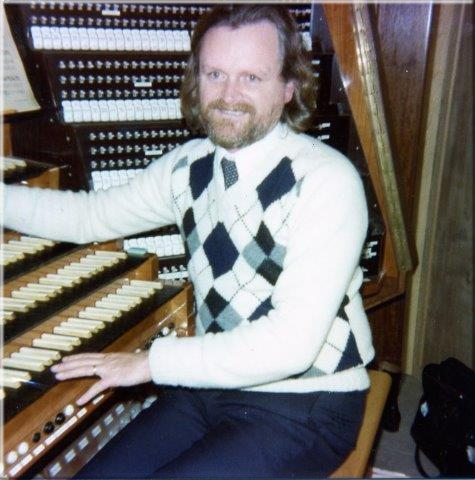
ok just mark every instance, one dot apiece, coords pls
pixel 328 227
pixel 82 217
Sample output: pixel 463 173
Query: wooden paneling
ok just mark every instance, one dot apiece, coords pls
pixel 6 140
pixel 441 314
pixel 403 34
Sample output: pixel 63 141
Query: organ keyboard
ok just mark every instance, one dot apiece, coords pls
pixel 31 172
pixel 86 300
pixel 21 253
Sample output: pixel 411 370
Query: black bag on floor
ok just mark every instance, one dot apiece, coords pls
pixel 444 425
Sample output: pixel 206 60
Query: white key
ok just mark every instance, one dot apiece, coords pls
pixel 67 111
pixel 105 310
pixel 46 35
pixel 68 272
pixel 128 39
pixel 102 315
pixel 30 295
pixel 104 110
pixel 113 113
pixel 77 110
pixel 162 103
pixel 153 39
pixel 99 261
pixel 36 240
pixel 37 246
pixel 6 316
pixel 129 108
pixel 155 109
pixel 145 40
pixel 69 330
pixel 32 358
pixel 109 304
pixel 162 40
pixel 178 108
pixel 25 364
pixel 119 39
pixel 110 253
pixel 110 36
pixel 186 41
pixel 56 38
pixel 75 39
pixel 7 247
pixel 9 383
pixel 121 111
pixel 54 290
pixel 93 40
pixel 170 41
pixel 71 340
pixel 101 39
pixel 19 375
pixel 178 40
pixel 17 304
pixel 36 37
pixel 141 292
pixel 147 283
pixel 41 353
pixel 105 260
pixel 47 343
pixel 87 267
pixel 51 279
pixel 127 299
pixel 86 111
pixel 171 109
pixel 138 110
pixel 95 110
pixel 147 109
pixel 94 325
pixel 65 38
pixel 136 40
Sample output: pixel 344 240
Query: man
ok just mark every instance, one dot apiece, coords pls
pixel 274 382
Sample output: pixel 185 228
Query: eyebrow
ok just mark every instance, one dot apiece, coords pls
pixel 261 72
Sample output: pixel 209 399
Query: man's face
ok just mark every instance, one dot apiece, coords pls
pixel 242 94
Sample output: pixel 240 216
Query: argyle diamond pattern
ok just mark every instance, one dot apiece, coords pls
pixel 234 255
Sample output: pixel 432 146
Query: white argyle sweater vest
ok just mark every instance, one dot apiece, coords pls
pixel 236 242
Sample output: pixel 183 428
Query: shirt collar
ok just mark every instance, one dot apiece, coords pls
pixel 259 157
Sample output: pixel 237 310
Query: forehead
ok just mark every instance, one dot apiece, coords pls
pixel 256 44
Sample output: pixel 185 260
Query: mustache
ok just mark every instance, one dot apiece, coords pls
pixel 220 104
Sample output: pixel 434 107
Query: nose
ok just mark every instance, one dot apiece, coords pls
pixel 231 90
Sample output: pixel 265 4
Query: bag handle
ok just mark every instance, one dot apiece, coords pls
pixel 417 458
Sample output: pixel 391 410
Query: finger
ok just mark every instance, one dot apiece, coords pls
pixel 74 372
pixel 78 361
pixel 93 391
pixel 83 356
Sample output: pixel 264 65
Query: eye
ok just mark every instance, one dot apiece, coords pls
pixel 214 75
pixel 253 78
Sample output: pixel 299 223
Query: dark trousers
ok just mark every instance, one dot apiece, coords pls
pixel 229 433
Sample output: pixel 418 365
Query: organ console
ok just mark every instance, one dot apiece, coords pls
pixel 89 299
pixel 107 77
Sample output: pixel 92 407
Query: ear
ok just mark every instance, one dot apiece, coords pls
pixel 289 90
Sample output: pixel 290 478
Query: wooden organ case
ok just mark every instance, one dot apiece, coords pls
pixel 107 77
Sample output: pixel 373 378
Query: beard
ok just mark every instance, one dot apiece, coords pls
pixel 237 133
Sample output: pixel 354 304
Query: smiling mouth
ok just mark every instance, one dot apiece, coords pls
pixel 231 113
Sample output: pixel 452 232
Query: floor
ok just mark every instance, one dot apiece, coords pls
pixel 394 452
